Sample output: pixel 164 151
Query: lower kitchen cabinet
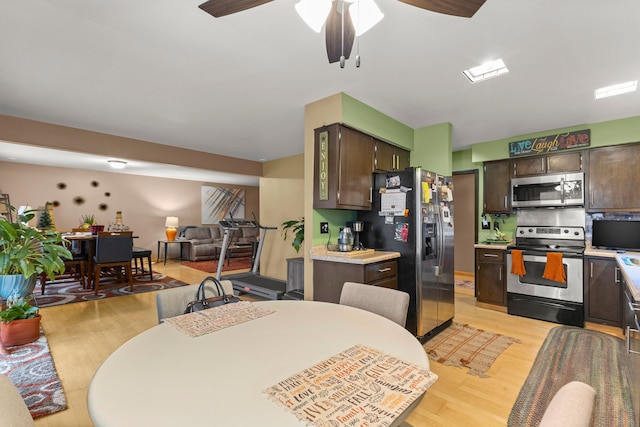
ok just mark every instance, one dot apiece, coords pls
pixel 602 291
pixel 490 276
pixel 329 277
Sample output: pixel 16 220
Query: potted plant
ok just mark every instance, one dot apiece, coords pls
pixel 20 322
pixel 296 226
pixel 26 253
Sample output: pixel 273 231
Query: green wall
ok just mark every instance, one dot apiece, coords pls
pixel 432 149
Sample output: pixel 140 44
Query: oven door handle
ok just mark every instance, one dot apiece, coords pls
pixel 544 253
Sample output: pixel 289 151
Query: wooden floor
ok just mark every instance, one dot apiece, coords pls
pixel 82 335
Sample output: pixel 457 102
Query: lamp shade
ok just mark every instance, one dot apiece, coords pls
pixel 172 221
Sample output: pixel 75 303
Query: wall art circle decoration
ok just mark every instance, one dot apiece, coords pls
pixel 103 206
pixel 94 183
pixel 78 200
pixel 62 185
pixel 107 194
pixel 55 203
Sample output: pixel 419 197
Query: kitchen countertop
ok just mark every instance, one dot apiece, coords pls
pixel 630 271
pixel 320 253
pixel 498 246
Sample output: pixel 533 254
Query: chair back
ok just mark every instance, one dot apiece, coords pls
pixel 13 410
pixel 389 303
pixel 113 247
pixel 172 302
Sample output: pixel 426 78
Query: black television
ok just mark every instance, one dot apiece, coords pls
pixel 616 234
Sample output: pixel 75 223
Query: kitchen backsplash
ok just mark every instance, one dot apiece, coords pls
pixel 506 223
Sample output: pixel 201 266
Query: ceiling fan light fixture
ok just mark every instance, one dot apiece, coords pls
pixel 614 90
pixel 314 12
pixel 364 15
pixel 486 71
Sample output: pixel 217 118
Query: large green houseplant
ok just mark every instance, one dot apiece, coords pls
pixel 296 226
pixel 26 253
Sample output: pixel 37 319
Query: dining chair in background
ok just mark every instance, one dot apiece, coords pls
pixel 172 302
pixel 389 303
pixel 13 410
pixel 142 254
pixel 76 267
pixel 114 250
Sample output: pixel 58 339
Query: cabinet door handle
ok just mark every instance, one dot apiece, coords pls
pixel 384 270
pixel 591 270
pixel 547 165
pixel 500 276
pixel 490 255
pixel 591 196
pixel 616 275
pixel 505 202
pixel 542 164
pixel 370 194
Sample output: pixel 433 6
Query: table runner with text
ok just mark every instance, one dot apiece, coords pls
pixel 360 386
pixel 214 319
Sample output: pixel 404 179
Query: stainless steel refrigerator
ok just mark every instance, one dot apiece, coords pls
pixel 412 213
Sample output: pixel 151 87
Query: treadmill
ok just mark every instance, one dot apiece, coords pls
pixel 251 281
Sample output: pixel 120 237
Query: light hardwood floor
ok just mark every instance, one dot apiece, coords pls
pixel 82 335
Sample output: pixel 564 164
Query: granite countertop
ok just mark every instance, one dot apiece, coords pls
pixel 320 253
pixel 629 264
pixel 494 245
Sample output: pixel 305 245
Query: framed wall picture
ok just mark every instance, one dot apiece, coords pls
pixel 219 203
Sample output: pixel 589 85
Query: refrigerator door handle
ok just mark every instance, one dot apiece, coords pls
pixel 439 241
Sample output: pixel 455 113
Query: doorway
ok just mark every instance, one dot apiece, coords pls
pixel 465 186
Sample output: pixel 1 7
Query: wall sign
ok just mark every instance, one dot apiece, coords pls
pixel 551 143
pixel 324 166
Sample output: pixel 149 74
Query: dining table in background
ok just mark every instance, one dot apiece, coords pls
pixel 163 377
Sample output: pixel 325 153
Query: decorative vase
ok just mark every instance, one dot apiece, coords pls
pixel 95 229
pixel 16 284
pixel 20 332
pixel 119 218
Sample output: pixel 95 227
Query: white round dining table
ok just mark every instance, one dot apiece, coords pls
pixel 163 377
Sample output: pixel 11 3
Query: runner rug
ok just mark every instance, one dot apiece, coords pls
pixel 66 291
pixel 568 354
pixel 466 346
pixel 240 263
pixel 30 368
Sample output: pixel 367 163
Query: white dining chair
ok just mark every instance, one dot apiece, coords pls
pixel 389 303
pixel 13 410
pixel 172 302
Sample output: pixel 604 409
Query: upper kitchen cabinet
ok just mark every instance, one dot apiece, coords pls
pixel 343 167
pixel 614 179
pixel 551 163
pixel 389 158
pixel 497 186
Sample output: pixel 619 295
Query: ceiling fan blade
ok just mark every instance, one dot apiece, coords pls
pixel 463 8
pixel 333 33
pixel 220 8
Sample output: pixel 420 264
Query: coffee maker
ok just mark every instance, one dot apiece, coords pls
pixel 357 227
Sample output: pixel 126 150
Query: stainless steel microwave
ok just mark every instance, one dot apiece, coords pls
pixel 548 190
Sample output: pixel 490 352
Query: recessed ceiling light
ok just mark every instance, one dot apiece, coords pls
pixel 117 164
pixel 486 71
pixel 613 90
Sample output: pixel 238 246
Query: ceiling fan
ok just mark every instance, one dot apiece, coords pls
pixel 339 29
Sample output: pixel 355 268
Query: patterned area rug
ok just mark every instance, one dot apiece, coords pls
pixel 465 286
pixel 567 354
pixel 240 263
pixel 466 346
pixel 30 368
pixel 66 291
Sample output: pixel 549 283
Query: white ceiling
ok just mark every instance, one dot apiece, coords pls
pixel 167 72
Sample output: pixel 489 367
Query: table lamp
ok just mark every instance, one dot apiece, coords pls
pixel 171 224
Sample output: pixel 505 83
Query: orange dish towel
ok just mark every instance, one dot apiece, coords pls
pixel 517 263
pixel 554 270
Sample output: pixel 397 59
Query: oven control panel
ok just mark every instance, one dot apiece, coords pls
pixel 570 233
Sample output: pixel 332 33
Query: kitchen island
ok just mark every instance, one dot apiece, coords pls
pixel 331 269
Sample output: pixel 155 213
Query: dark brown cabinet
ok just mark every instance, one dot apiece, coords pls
pixel 497 186
pixel 602 291
pixel 343 168
pixel 389 158
pixel 551 163
pixel 490 277
pixel 614 179
pixel 329 277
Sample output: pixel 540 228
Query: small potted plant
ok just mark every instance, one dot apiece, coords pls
pixel 20 322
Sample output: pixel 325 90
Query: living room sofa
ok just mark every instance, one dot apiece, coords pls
pixel 206 242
